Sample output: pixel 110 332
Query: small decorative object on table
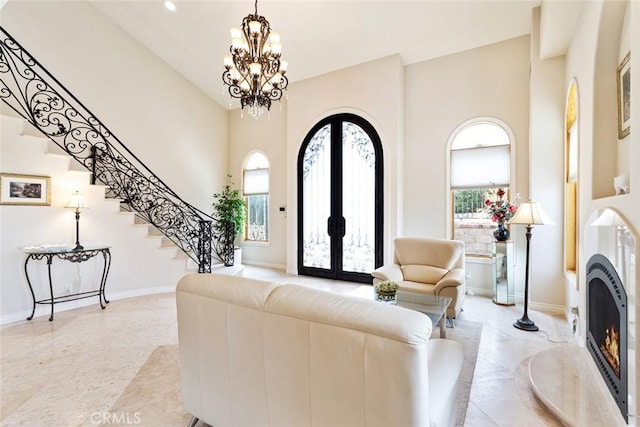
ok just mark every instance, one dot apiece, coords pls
pixel 501 211
pixel 386 291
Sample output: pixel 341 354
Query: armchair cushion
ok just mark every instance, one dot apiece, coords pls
pixel 423 273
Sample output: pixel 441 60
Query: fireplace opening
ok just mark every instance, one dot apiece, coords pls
pixel 607 327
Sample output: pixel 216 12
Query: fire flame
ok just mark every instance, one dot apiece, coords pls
pixel 611 349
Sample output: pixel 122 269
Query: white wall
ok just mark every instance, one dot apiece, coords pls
pixel 585 50
pixel 139 265
pixel 176 130
pixel 266 135
pixel 441 94
pixel 546 154
pixel 163 119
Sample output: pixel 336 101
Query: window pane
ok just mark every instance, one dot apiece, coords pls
pixel 257 161
pixel 358 199
pixel 258 217
pixel 316 180
pixel 471 224
pixel 480 134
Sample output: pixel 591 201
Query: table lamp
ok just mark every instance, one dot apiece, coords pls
pixel 77 203
pixel 529 213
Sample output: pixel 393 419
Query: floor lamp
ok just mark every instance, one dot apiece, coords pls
pixel 77 203
pixel 529 214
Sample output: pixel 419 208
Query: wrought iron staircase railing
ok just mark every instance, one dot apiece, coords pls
pixel 36 95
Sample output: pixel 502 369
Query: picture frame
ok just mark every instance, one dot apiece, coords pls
pixel 25 190
pixel 624 96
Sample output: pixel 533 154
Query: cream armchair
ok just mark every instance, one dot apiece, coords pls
pixel 434 266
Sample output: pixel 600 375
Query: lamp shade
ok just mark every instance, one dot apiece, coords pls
pixel 76 201
pixel 530 213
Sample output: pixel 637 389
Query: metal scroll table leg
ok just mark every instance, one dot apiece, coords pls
pixel 49 261
pixel 33 296
pixel 106 254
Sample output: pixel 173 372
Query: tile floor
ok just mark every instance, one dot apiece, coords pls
pixel 42 363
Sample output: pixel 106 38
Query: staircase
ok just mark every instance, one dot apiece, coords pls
pixel 34 144
pixel 71 130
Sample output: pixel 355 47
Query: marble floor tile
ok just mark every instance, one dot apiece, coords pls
pixel 59 373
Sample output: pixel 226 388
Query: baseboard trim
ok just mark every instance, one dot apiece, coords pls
pixel 45 310
pixel 554 309
pixel 274 266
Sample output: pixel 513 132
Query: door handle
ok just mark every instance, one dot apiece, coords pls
pixel 342 229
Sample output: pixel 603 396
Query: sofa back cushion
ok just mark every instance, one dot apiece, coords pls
pixel 440 253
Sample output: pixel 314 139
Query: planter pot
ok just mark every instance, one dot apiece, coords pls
pixel 386 296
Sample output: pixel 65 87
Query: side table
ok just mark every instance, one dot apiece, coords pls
pixel 68 254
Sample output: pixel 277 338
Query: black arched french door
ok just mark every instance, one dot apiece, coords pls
pixel 340 200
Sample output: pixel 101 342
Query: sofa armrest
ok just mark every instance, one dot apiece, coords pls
pixel 454 277
pixel 387 272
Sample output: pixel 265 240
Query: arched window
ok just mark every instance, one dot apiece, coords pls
pixel 480 162
pixel 256 192
pixel 571 178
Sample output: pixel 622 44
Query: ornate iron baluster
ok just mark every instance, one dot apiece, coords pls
pixel 30 90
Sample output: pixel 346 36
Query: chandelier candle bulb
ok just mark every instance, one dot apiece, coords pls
pixel 255 27
pixel 236 33
pixel 255 68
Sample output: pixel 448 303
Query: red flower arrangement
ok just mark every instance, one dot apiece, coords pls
pixel 500 210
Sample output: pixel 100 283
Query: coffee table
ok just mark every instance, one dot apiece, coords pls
pixel 435 307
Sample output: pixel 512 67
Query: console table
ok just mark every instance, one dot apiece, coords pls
pixel 71 255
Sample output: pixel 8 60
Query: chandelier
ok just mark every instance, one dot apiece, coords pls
pixel 254 72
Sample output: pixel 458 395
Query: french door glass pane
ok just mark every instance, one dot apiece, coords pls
pixel 317 200
pixel 358 199
pixel 257 217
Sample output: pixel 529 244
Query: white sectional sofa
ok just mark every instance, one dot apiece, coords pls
pixel 254 354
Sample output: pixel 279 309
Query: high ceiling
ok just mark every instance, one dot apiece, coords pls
pixel 317 36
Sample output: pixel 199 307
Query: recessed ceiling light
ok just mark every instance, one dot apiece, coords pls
pixel 170 5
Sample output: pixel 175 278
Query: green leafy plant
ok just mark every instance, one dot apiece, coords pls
pixel 229 212
pixel 386 287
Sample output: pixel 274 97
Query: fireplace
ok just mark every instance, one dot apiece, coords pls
pixel 607 327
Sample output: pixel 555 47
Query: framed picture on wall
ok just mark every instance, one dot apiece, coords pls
pixel 624 96
pixel 25 190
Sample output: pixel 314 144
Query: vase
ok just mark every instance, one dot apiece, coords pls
pixel 501 233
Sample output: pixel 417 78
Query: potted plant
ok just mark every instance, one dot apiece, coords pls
pixel 386 291
pixel 229 212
